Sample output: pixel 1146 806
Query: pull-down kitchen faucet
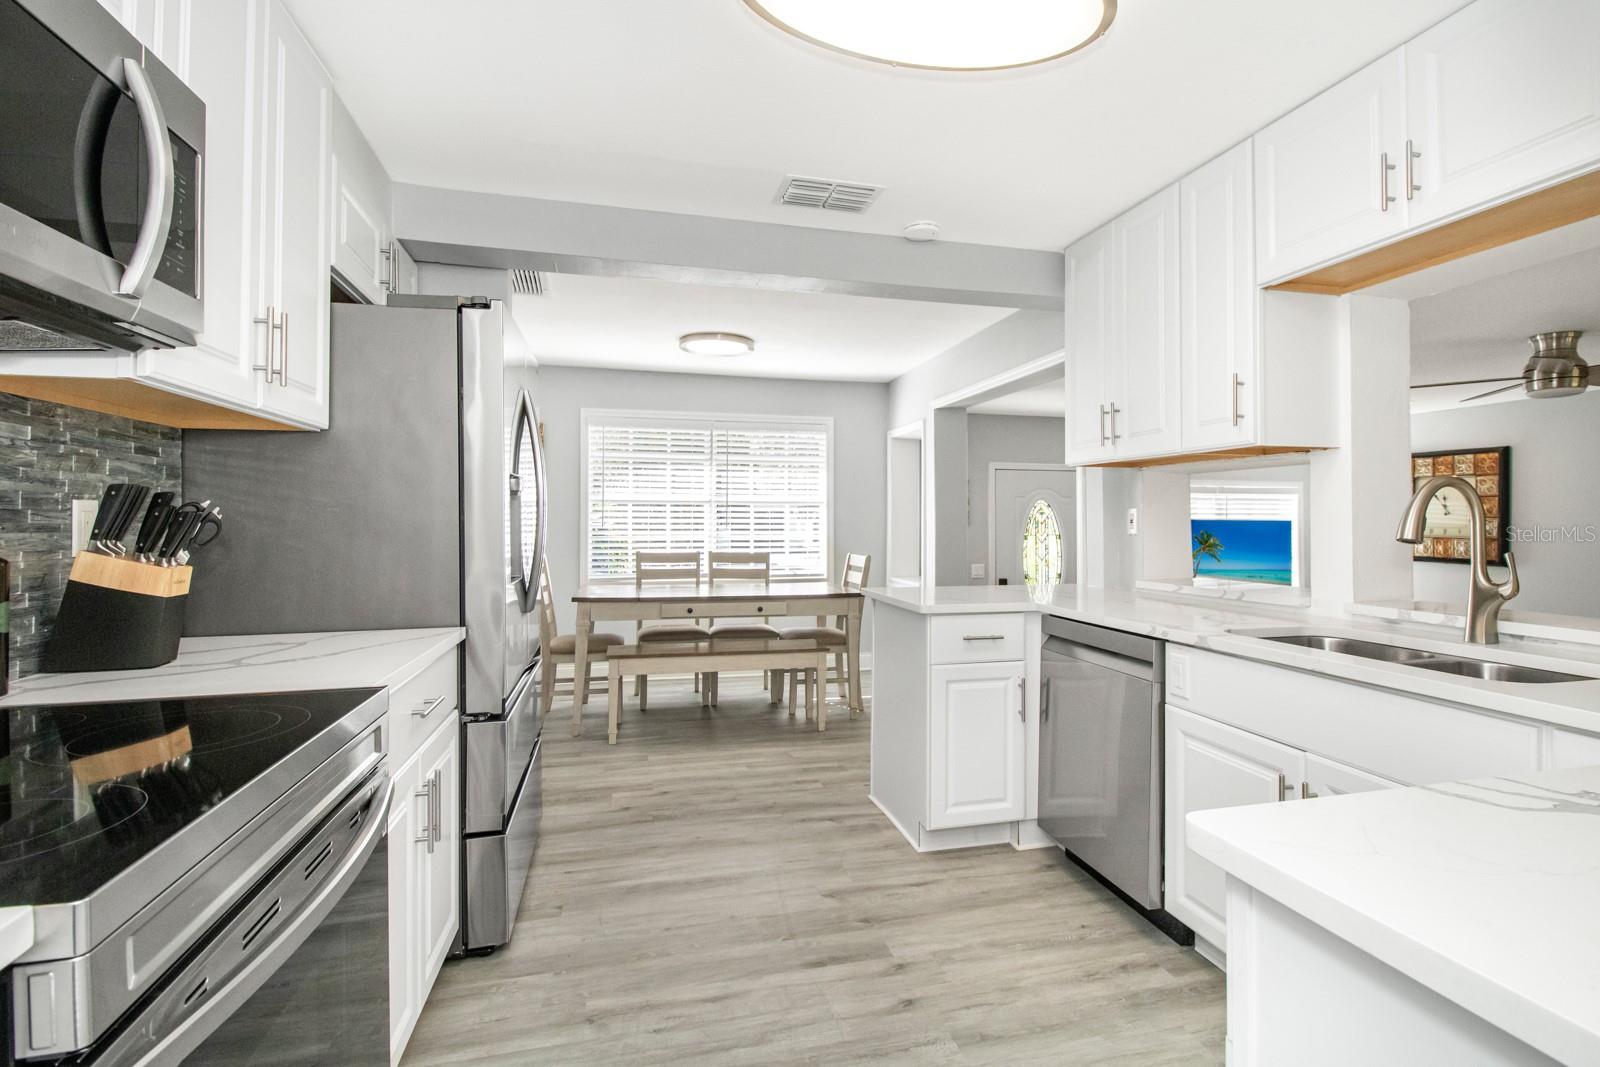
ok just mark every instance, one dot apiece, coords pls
pixel 1485 597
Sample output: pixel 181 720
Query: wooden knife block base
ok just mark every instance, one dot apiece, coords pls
pixel 118 614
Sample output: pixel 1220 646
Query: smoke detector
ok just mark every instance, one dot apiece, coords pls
pixel 922 231
pixel 827 193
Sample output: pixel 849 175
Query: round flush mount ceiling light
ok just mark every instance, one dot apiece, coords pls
pixel 716 343
pixel 944 34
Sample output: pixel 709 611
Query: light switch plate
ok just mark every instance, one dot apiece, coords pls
pixel 83 513
pixel 1133 521
pixel 977 570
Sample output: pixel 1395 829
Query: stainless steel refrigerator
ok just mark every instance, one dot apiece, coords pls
pixel 422 504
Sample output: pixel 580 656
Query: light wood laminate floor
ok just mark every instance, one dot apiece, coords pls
pixel 718 889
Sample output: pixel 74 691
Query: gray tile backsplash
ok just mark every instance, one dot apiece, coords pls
pixel 50 454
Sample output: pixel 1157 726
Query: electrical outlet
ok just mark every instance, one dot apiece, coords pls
pixel 83 513
pixel 977 570
pixel 1133 521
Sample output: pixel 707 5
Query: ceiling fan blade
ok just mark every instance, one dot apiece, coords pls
pixel 1492 392
pixel 1468 381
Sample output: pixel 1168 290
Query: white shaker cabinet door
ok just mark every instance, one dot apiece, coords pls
pixel 407 819
pixel 403 269
pixel 1210 765
pixel 977 767
pixel 1501 96
pixel 440 764
pixel 1219 302
pixel 1088 346
pixel 221 365
pixel 1143 373
pixel 360 255
pixel 1329 174
pixel 1330 778
pixel 294 242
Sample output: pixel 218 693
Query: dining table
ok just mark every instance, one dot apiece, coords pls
pixel 691 601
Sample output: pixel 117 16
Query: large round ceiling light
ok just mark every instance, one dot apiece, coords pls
pixel 716 343
pixel 944 34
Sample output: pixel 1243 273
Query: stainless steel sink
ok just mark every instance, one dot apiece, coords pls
pixel 1431 661
pixel 1352 647
pixel 1494 672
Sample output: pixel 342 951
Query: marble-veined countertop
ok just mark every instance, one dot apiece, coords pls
pixel 1483 891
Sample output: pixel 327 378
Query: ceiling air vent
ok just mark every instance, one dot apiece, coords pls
pixel 824 193
pixel 527 282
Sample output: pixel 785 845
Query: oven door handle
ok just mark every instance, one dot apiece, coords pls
pixel 161 178
pixel 219 1004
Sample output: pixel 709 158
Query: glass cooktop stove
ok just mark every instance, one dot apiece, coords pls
pixel 86 790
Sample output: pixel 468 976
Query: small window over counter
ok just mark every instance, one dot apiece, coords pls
pixel 1249 526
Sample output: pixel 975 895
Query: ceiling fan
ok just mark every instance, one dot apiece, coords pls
pixel 1555 369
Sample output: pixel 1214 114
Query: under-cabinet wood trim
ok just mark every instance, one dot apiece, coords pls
pixel 1242 452
pixel 135 400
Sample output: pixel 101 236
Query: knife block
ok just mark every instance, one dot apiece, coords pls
pixel 117 614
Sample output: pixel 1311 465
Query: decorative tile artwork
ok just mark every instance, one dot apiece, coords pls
pixel 1446 534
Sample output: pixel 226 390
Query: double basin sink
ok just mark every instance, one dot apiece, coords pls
pixel 1429 661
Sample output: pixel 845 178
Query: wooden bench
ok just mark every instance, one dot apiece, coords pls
pixel 699 657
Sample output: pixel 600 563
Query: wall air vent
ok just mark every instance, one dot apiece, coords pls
pixel 527 282
pixel 827 194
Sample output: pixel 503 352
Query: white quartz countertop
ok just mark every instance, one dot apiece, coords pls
pixel 265 663
pixel 1240 629
pixel 1482 891
pixel 16 933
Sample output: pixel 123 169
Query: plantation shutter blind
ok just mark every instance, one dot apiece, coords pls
pixel 1258 502
pixel 664 483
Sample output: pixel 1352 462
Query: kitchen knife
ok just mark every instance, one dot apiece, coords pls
pixel 132 504
pixel 155 521
pixel 110 502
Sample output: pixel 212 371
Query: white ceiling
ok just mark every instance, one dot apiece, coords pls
pixel 635 323
pixel 699 106
pixel 1481 329
pixel 1046 398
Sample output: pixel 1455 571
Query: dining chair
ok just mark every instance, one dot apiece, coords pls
pixel 653 566
pixel 558 648
pixel 730 566
pixel 854 579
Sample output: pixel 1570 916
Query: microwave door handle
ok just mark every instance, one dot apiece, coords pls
pixel 88 161
pixel 157 221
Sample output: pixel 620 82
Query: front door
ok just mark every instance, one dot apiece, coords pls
pixel 1033 516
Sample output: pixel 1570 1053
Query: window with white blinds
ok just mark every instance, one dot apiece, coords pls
pixel 718 482
pixel 1279 502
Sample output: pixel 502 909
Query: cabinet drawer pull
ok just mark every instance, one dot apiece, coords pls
pixel 1115 411
pixel 1384 167
pixel 427 707
pixel 1238 383
pixel 438 807
pixel 1412 155
pixel 425 837
pixel 1022 699
pixel 1102 425
pixel 1305 791
pixel 984 637
pixel 1285 791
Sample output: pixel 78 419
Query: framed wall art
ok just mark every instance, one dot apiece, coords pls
pixel 1445 536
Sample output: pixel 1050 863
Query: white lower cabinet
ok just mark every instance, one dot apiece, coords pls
pixel 1212 765
pixel 1329 778
pixel 424 875
pixel 977 745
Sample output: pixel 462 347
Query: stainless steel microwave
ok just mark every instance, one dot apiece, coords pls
pixel 100 185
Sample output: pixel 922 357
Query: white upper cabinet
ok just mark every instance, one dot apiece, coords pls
pixel 1329 174
pixel 362 242
pixel 1217 321
pixel 1142 374
pixel 292 244
pixel 1088 346
pixel 402 268
pixel 221 366
pixel 1501 97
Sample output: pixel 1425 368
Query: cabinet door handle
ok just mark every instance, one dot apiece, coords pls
pixel 283 361
pixel 438 808
pixel 1412 188
pixel 1238 383
pixel 1285 791
pixel 271 324
pixel 1115 411
pixel 1305 791
pixel 386 280
pixel 1044 701
pixel 1022 698
pixel 984 637
pixel 1384 167
pixel 426 708
pixel 426 836
pixel 1102 424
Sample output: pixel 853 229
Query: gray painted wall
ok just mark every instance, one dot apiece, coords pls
pixel 1553 447
pixel 49 455
pixel 859 453
pixel 950 496
pixel 1002 439
pixel 1011 342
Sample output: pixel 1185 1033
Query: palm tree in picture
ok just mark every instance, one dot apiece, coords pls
pixel 1205 544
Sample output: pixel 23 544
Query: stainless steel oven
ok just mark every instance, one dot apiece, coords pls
pixel 100 185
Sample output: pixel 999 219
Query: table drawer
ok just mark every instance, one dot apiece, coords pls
pixel 418 705
pixel 976 638
pixel 732 609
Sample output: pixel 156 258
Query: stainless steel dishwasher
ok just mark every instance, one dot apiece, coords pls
pixel 1100 759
